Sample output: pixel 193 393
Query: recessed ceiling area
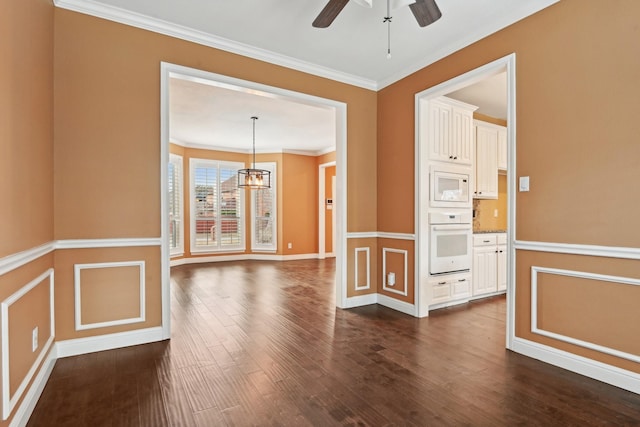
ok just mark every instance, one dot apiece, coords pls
pixel 210 115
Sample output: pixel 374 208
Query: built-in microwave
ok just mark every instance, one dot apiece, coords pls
pixel 449 188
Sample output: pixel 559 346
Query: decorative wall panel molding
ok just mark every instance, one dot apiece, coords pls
pixel 590 250
pixel 9 401
pixel 535 270
pixel 357 279
pixel 387 287
pixel 78 294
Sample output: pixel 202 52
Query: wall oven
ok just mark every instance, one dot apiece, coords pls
pixel 450 242
pixel 449 187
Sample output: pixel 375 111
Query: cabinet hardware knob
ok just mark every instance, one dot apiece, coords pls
pixel 486 241
pixel 442 283
pixel 462 280
pixel 455 157
pixel 451 157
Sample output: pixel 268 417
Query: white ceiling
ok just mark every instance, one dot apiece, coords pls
pixel 351 50
pixel 489 95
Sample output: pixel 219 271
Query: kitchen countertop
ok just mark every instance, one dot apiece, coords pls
pixel 488 231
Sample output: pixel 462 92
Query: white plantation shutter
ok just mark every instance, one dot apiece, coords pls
pixel 263 213
pixel 216 208
pixel 176 203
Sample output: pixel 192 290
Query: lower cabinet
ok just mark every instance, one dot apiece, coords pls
pixel 489 267
pixel 450 288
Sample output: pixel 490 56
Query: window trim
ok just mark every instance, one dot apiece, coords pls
pixel 199 162
pixel 273 247
pixel 179 161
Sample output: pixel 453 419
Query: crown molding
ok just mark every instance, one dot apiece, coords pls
pixel 122 16
pixel 249 151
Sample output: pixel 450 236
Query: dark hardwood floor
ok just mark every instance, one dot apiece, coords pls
pixel 261 343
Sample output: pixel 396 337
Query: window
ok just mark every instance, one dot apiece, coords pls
pixel 217 212
pixel 176 226
pixel 263 214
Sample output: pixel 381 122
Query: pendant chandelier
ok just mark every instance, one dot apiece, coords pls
pixel 252 177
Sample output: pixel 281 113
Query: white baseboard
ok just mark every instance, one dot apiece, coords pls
pixel 78 346
pixel 361 300
pixel 30 400
pixel 615 376
pixel 240 257
pixel 401 306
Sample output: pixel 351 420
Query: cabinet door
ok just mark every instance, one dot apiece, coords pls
pixel 439 133
pixel 502 267
pixel 502 149
pixel 484 270
pixel 461 136
pixel 486 165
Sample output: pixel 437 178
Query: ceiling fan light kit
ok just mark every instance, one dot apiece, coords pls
pixel 425 11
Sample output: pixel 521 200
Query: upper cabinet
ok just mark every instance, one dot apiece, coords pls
pixel 450 131
pixel 490 155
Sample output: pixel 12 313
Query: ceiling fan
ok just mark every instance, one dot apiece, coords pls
pixel 425 11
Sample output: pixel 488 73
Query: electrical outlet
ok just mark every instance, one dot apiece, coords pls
pixel 495 213
pixel 289 245
pixel 34 339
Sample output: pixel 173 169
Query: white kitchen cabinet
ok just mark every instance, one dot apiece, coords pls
pixel 489 268
pixel 502 149
pixel 450 288
pixel 450 134
pixel 486 164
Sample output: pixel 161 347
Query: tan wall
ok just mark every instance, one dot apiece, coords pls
pixel 26 125
pixel 93 306
pixel 576 129
pixel 300 204
pixel 26 173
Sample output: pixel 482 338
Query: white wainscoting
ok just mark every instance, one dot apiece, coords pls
pixel 387 288
pixel 367 283
pixel 78 294
pixel 535 270
pixel 9 401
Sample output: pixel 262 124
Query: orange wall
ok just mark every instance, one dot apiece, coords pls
pixel 576 130
pixel 300 204
pixel 26 174
pixel 26 125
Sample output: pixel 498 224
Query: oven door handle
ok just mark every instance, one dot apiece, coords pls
pixel 451 228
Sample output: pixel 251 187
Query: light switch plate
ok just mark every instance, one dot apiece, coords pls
pixel 524 183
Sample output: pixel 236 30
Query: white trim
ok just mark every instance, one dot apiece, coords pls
pixel 107 243
pixel 311 153
pixel 395 304
pixel 363 235
pixel 273 247
pixel 405 255
pixel 613 375
pixel 74 347
pixel 575 249
pixel 178 160
pixel 115 14
pixel 77 287
pixel 17 260
pixel 356 281
pixel 242 257
pixel 9 401
pixel 582 275
pixel 361 300
pixel 28 404
pixel 380 235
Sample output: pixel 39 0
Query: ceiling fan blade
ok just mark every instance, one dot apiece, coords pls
pixel 329 13
pixel 425 11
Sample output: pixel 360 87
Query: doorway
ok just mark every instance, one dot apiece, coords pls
pixel 422 99
pixel 339 111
